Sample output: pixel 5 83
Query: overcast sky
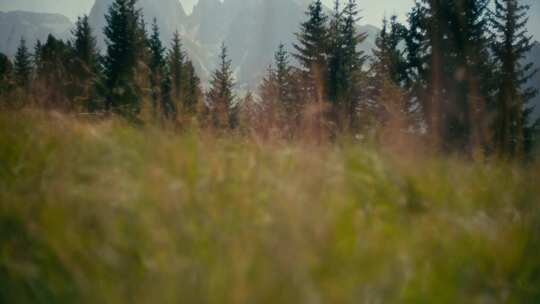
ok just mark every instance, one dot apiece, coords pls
pixel 372 10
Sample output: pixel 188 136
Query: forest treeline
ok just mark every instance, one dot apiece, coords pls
pixel 452 77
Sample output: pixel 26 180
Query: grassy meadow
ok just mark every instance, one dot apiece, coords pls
pixel 105 212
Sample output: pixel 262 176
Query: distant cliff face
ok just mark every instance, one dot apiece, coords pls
pixel 169 13
pixel 534 57
pixel 30 26
pixel 252 30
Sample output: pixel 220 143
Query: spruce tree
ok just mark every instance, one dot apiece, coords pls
pixel 336 57
pixel 220 97
pixel 176 62
pixel 124 40
pixel 353 62
pixel 511 44
pixel 283 76
pixel 86 66
pixel 192 89
pixel 157 65
pixel 455 52
pixel 167 104
pixel 6 69
pixel 53 77
pixel 84 45
pixel 311 50
pixel 23 66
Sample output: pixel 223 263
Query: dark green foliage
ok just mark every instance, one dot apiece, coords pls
pixel 124 36
pixel 6 70
pixel 311 49
pixel 23 66
pixel 157 65
pixel 220 97
pixel 451 38
pixel 388 72
pixel 85 66
pixel 176 60
pixel 168 107
pixel 53 78
pixel 513 132
pixel 193 91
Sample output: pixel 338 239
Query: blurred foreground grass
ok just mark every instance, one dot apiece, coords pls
pixel 107 213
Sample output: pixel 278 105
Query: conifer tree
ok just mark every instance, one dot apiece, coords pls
pixel 157 65
pixel 53 77
pixel 311 50
pixel 176 60
pixel 6 69
pixel 283 76
pixel 220 97
pixel 354 60
pixel 511 44
pixel 336 57
pixel 123 38
pixel 167 105
pixel 84 44
pixel 455 50
pixel 23 66
pixel 85 67
pixel 192 90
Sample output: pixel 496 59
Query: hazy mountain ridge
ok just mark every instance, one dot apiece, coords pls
pixel 30 26
pixel 534 57
pixel 251 30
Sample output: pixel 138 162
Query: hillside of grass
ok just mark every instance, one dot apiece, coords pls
pixel 105 212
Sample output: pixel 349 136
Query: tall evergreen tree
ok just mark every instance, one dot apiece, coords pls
pixel 86 66
pixel 511 44
pixel 220 97
pixel 123 38
pixel 167 104
pixel 283 76
pixel 23 66
pixel 6 69
pixel 336 56
pixel 176 60
pixel 457 79
pixel 157 66
pixel 311 50
pixel 353 62
pixel 192 88
pixel 53 77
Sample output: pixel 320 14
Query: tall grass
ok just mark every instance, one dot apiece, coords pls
pixel 105 212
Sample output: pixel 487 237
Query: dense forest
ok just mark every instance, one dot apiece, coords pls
pixel 452 77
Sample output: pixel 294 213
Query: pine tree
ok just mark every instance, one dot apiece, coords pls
pixel 52 60
pixel 84 45
pixel 157 65
pixel 192 91
pixel 389 68
pixel 352 63
pixel 23 66
pixel 283 77
pixel 124 42
pixel 85 67
pixel 511 44
pixel 167 105
pixel 220 97
pixel 388 58
pixel 311 50
pixel 272 108
pixel 6 69
pixel 176 60
pixel 335 55
pixel 454 48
